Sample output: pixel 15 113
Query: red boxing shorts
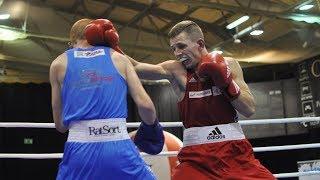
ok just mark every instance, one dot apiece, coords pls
pixel 218 152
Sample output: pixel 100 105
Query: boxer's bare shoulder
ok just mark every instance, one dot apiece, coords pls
pixel 58 67
pixel 230 60
pixel 234 66
pixel 172 66
pixel 178 76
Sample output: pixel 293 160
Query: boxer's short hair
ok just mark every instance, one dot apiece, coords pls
pixel 77 30
pixel 191 28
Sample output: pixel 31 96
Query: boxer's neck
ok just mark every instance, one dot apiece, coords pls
pixel 204 52
pixel 82 44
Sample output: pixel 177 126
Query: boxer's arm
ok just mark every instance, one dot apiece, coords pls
pixel 152 71
pixel 56 94
pixel 149 137
pixel 244 104
pixel 145 106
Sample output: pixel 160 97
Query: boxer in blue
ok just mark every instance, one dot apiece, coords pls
pixel 89 89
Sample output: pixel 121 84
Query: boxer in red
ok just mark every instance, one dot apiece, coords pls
pixel 211 90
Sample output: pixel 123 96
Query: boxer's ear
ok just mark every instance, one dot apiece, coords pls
pixel 201 43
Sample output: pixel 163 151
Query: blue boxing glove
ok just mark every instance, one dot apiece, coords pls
pixel 150 138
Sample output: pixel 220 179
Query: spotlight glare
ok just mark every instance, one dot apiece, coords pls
pixel 10 35
pixel 256 32
pixel 306 7
pixel 4 16
pixel 237 22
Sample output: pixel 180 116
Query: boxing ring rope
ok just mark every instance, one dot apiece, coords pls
pixel 165 153
pixel 296 174
pixel 167 124
pixel 174 153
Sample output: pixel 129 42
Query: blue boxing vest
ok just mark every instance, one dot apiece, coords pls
pixel 94 92
pixel 92 87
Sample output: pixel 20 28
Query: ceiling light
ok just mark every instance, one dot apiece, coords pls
pixel 305 44
pixel 237 41
pixel 308 19
pixel 306 7
pixel 4 16
pixel 10 35
pixel 256 32
pixel 237 22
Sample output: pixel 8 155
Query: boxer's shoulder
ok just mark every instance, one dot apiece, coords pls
pixel 172 66
pixel 234 65
pixel 61 57
pixel 232 61
pixel 120 61
pixel 229 59
pixel 58 67
pixel 60 61
pixel 116 55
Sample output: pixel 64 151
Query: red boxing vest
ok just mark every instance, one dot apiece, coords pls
pixel 204 104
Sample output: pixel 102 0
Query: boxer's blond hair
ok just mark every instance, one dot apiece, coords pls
pixel 77 30
pixel 191 28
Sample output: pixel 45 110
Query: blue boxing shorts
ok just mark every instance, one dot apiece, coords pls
pixel 102 149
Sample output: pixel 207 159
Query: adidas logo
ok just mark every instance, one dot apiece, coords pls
pixel 216 134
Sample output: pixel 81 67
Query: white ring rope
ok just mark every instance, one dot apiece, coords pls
pixel 59 155
pixel 174 153
pixel 286 147
pixel 296 174
pixel 164 153
pixel 168 124
pixel 30 156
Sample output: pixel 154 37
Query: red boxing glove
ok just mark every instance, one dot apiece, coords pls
pixel 101 32
pixel 217 68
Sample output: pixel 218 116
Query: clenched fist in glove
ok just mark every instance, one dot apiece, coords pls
pixel 217 68
pixel 101 32
pixel 150 138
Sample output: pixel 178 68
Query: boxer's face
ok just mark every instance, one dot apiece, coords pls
pixel 185 50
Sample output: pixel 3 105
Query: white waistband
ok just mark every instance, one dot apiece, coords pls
pixel 212 134
pixel 98 130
